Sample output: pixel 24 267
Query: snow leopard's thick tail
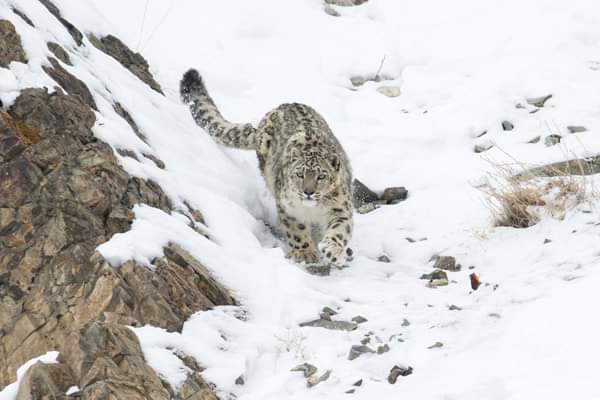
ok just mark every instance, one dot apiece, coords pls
pixel 207 115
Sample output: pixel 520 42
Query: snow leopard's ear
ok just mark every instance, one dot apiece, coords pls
pixel 335 162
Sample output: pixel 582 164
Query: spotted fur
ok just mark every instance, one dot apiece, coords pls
pixel 303 164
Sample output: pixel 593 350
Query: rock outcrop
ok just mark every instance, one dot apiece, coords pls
pixel 63 193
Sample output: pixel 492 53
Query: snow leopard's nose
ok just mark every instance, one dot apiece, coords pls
pixel 308 194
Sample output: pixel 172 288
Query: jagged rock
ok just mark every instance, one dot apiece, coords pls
pixel 534 140
pixel 59 52
pixel 358 383
pixel 357 351
pixel 307 369
pixel 389 91
pixel 22 15
pixel 436 345
pixel 359 319
pixel 134 62
pixel 454 307
pixel 73 31
pixel 361 194
pixel 552 140
pixel 123 113
pixel 10 44
pixel 507 126
pixel 397 371
pixel 393 195
pixel 576 128
pixel 70 83
pixel 333 325
pixel 538 101
pixel 405 322
pixel 45 381
pixel 447 263
pixel 62 193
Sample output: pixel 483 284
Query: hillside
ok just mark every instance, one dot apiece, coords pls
pixel 139 259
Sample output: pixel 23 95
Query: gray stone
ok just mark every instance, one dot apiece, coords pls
pixel 437 274
pixel 552 140
pixel 447 263
pixel 45 381
pixel 383 258
pixel 357 351
pixel 576 128
pixel 361 194
pixel 480 148
pixel 327 313
pixel 383 349
pixel 367 208
pixel 393 195
pixel 397 371
pixel 507 126
pixel 346 3
pixel 539 101
pixel 319 269
pixel 333 325
pixel 436 345
pixel 582 166
pixel 534 140
pixel 454 307
pixel 331 11
pixel 359 319
pixel 389 91
pixel 315 380
pixel 405 322
pixel 307 369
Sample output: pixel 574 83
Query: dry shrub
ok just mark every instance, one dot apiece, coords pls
pixel 521 199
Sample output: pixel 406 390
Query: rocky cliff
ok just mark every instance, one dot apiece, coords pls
pixel 63 192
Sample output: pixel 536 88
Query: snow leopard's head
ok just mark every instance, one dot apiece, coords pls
pixel 313 174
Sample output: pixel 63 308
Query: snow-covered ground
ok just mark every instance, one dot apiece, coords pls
pixel 529 332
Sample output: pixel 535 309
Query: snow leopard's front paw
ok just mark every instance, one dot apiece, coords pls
pixel 333 251
pixel 309 255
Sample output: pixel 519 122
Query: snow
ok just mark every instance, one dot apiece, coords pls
pixel 462 66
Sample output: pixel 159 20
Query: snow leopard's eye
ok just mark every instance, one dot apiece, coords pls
pixel 321 177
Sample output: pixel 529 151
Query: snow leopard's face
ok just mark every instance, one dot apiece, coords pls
pixel 313 177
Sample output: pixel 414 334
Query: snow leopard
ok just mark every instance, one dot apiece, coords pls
pixel 304 167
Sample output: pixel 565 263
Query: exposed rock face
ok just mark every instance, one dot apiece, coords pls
pixel 70 83
pixel 62 193
pixel 10 44
pixel 134 62
pixel 73 31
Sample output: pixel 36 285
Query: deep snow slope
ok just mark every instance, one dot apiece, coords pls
pixel 529 332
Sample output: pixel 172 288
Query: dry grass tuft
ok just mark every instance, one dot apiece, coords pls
pixel 521 199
